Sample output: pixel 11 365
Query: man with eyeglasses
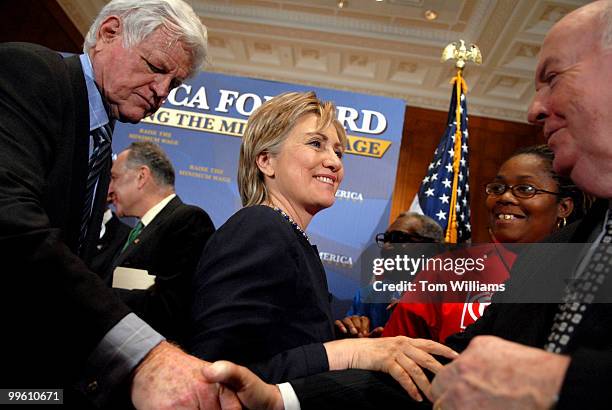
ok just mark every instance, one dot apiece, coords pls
pixel 371 309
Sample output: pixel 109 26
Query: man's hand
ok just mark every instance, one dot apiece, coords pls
pixel 169 378
pixel 493 373
pixel 252 392
pixel 401 357
pixel 357 326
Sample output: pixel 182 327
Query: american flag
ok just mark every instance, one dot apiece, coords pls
pixel 436 192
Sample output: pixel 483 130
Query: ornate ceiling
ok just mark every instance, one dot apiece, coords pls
pixel 378 47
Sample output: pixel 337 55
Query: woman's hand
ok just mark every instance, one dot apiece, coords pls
pixel 240 388
pixel 401 357
pixel 357 326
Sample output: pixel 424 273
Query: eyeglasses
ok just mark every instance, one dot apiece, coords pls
pixel 401 237
pixel 518 190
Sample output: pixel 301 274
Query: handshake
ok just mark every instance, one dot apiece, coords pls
pixel 168 378
pixel 491 371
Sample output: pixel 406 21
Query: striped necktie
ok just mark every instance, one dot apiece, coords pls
pixel 99 158
pixel 581 293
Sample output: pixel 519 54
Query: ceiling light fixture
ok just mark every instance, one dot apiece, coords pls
pixel 430 15
pixel 341 4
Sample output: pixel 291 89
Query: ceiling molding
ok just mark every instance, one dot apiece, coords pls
pixel 382 48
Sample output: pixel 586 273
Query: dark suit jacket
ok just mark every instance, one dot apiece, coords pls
pixel 586 383
pixel 53 309
pixel 169 247
pixel 109 246
pixel 261 298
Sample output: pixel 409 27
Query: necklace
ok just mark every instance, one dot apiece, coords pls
pixel 292 222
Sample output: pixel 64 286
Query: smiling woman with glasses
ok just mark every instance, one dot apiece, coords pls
pixel 526 202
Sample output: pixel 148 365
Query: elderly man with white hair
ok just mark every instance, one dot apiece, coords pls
pixel 63 327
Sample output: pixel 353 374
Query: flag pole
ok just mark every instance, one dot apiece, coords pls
pixel 451 229
pixel 461 54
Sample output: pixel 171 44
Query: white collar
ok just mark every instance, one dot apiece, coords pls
pixel 152 213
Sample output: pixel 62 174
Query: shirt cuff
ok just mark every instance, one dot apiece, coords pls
pixel 290 399
pixel 118 353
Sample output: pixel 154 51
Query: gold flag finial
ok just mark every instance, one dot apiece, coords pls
pixel 461 53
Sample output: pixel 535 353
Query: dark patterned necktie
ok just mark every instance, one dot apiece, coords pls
pixel 581 293
pixel 99 158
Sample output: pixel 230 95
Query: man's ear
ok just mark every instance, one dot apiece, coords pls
pixel 265 163
pixel 144 175
pixel 110 30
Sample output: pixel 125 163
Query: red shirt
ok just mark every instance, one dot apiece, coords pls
pixel 414 317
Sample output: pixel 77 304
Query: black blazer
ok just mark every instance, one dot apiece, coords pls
pixel 261 298
pixel 53 309
pixel 169 247
pixel 587 379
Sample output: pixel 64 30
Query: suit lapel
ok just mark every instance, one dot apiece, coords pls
pixel 152 227
pixel 149 231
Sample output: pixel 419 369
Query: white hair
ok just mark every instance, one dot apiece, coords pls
pixel 141 17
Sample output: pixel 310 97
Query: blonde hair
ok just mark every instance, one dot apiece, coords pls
pixel 266 131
